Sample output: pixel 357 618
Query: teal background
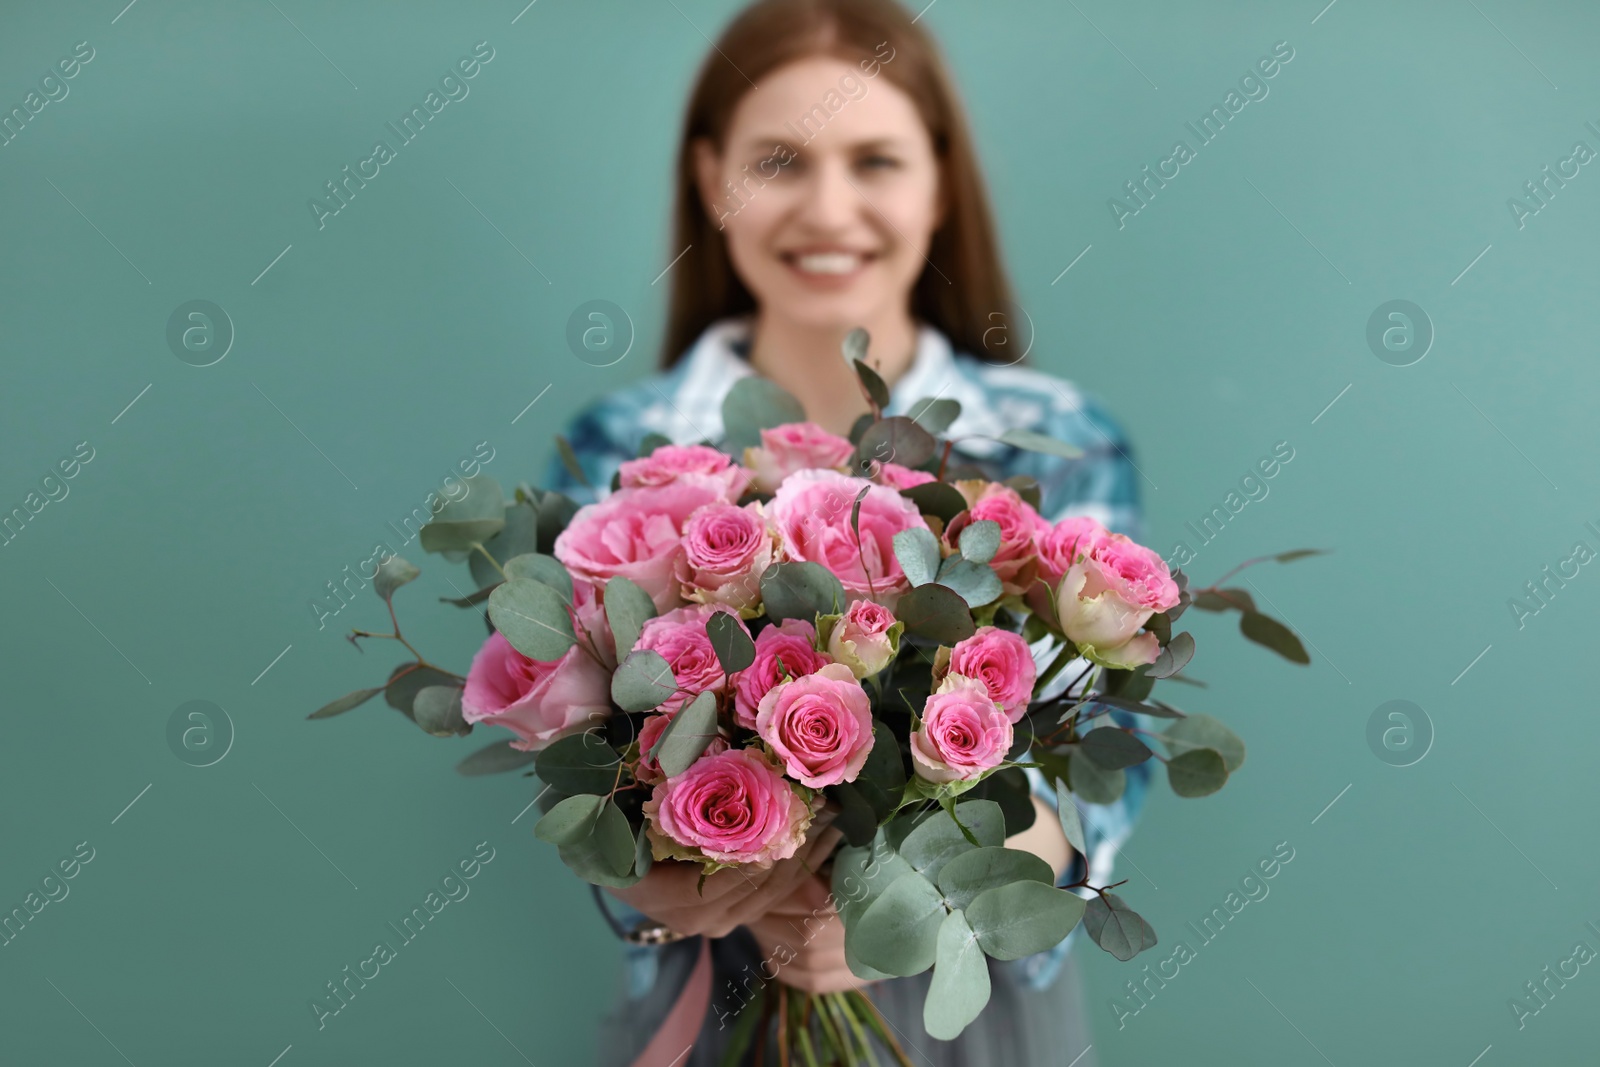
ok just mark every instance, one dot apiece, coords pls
pixel 1222 319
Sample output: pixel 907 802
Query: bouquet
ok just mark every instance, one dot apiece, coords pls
pixel 733 639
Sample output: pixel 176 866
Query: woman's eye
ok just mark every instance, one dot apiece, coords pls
pixel 876 162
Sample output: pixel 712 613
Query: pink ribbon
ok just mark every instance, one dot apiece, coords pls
pixel 679 1029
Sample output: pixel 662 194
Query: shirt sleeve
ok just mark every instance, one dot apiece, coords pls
pixel 601 442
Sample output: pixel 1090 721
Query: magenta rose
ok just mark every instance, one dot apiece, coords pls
pixel 811 513
pixel 725 549
pixel 785 649
pixel 1002 661
pixel 897 477
pixel 866 638
pixel 537 701
pixel 680 637
pixel 795 446
pixel 819 725
pixel 674 463
pixel 1062 545
pixel 1108 595
pixel 731 807
pixel 1020 527
pixel 635 534
pixel 964 733
pixel 647 770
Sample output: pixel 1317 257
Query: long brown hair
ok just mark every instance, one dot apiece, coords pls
pixel 962 289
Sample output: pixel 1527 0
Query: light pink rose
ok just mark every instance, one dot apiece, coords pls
pixel 866 638
pixel 964 733
pixel 589 613
pixel 635 534
pixel 674 463
pixel 1002 661
pixel 537 701
pixel 820 726
pixel 725 550
pixel 811 513
pixel 795 446
pixel 897 477
pixel 647 770
pixel 1020 527
pixel 732 807
pixel 1061 545
pixel 680 637
pixel 1108 595
pixel 788 648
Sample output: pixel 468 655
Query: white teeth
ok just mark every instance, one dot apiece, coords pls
pixel 828 262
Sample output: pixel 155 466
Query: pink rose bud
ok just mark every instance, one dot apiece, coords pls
pixel 866 638
pixel 647 770
pixel 819 725
pixel 787 649
pixel 1108 595
pixel 795 446
pixel 732 807
pixel 811 513
pixel 897 477
pixel 681 639
pixel 1002 661
pixel 964 733
pixel 539 702
pixel 1020 528
pixel 726 548
pixel 1062 545
pixel 675 463
pixel 635 534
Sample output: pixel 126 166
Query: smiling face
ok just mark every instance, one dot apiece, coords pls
pixel 831 232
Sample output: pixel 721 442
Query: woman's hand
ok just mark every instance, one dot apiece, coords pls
pixel 670 892
pixel 802 941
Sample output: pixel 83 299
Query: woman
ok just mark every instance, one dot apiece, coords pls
pixel 844 193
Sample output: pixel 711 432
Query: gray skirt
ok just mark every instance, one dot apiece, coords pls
pixel 1021 1027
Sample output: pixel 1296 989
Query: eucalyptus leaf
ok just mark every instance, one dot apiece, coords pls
pixel 1198 772
pixel 854 347
pixel 1037 442
pixel 872 382
pixel 555 513
pixel 939 839
pixel 937 613
pixel 862 873
pixel 959 990
pixel 651 442
pixel 934 415
pixel 1173 658
pixel 538 567
pixel 980 540
pixel 571 820
pixel 1095 784
pixel 1267 631
pixel 1225 600
pixel 1116 927
pixel 438 711
pixel 1112 748
pixel 496 758
pixel 939 499
pixel 1019 919
pixel 731 641
pixel 917 551
pixel 628 608
pixel 895 439
pixel 473 519
pixel 520 535
pixel 1203 731
pixel 898 933
pixel 643 681
pixel 755 404
pixel 1027 488
pixel 393 572
pixel 1299 553
pixel 1071 822
pixel 533 617
pixel 690 732
pixel 569 460
pixel 800 590
pixel 976 583
pixel 345 703
pixel 407 680
pixel 578 763
pixel 982 869
pixel 883 776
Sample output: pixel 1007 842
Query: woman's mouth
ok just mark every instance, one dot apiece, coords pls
pixel 832 267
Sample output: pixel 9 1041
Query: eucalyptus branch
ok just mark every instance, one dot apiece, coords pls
pixel 492 561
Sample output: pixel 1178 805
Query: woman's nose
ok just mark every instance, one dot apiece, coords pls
pixel 831 200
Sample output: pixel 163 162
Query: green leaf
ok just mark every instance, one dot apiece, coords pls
pixel 934 415
pixel 1299 553
pixel 959 990
pixel 1174 658
pixel 918 552
pixel 628 608
pixel 1197 773
pixel 495 759
pixel 1112 748
pixel 861 874
pixel 1017 920
pixel 1071 823
pixel 1157 708
pixel 651 442
pixel 569 460
pixel 1027 488
pixel 520 535
pixel 731 641
pixel 571 820
pixel 876 391
pixel 1116 927
pixel 643 682
pixel 976 583
pixel 1038 442
pixel 899 932
pixel 883 776
pixel 345 703
pixel 937 613
pixel 473 519
pixel 854 347
pixel 1095 784
pixel 895 439
pixel 1203 731
pixel 857 819
pixel 800 590
pixel 755 404
pixel 594 838
pixel 438 711
pixel 538 567
pixel 980 540
pixel 407 680
pixel 392 574
pixel 1267 631
pixel 1225 600
pixel 688 735
pixel 939 499
pixel 533 618
pixel 939 839
pixel 982 869
pixel 578 763
pixel 555 513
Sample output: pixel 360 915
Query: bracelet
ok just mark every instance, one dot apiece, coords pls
pixel 651 932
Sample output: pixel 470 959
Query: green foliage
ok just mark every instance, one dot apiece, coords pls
pixel 536 566
pixel 981 869
pixel 1024 917
pixel 472 520
pixel 934 415
pixel 980 540
pixel 895 439
pixel 800 591
pixel 392 574
pixel 1174 657
pixel 577 763
pixel 496 758
pixel 731 642
pixel 960 986
pixel 1198 772
pixel 533 617
pixel 1267 631
pixel 437 710
pixel 628 608
pixel 687 735
pixel 1113 748
pixel 917 550
pixel 1038 442
pixel 345 703
pixel 643 681
pixel 936 613
pixel 755 404
pixel 1116 927
pixel 1203 731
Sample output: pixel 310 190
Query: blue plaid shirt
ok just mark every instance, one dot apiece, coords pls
pixel 685 405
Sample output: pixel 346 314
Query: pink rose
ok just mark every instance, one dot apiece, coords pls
pixel 964 733
pixel 897 477
pixel 674 463
pixel 1108 595
pixel 1020 526
pixel 1061 545
pixel 795 446
pixel 589 614
pixel 725 550
pixel 732 807
pixel 866 638
pixel 788 648
pixel 635 534
pixel 537 701
pixel 680 637
pixel 811 513
pixel 820 726
pixel 1002 661
pixel 647 770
